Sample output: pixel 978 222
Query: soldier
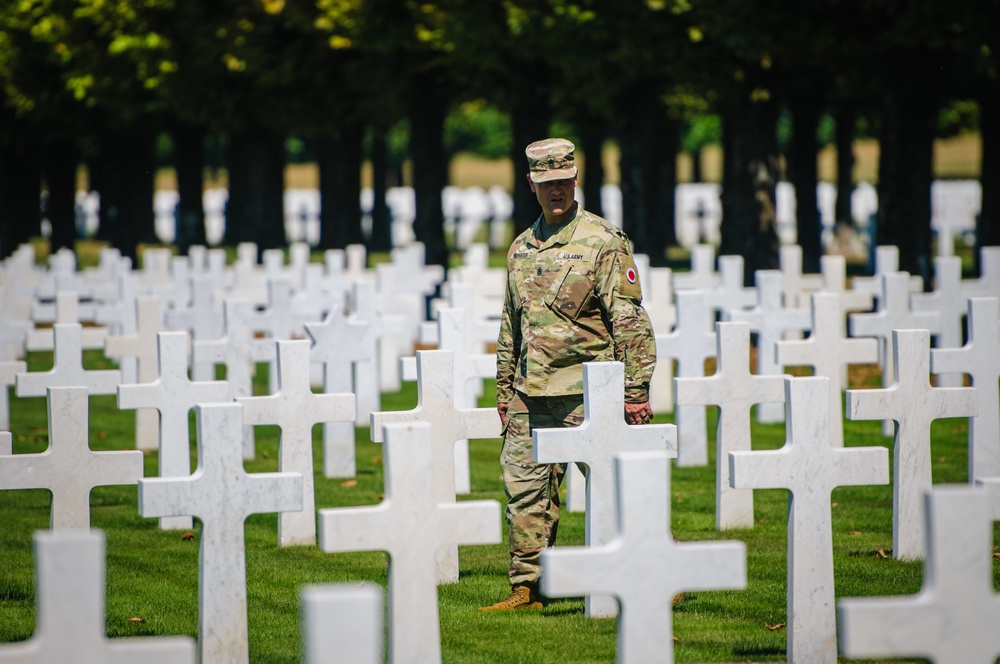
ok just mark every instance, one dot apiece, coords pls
pixel 573 296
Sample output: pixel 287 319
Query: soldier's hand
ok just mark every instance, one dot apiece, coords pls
pixel 638 413
pixel 502 409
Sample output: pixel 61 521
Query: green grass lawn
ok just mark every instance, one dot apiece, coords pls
pixel 153 574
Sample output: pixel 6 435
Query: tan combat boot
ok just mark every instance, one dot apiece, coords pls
pixel 521 597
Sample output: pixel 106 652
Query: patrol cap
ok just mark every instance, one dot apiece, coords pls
pixel 551 159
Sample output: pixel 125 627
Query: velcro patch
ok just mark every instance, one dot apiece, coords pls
pixel 629 286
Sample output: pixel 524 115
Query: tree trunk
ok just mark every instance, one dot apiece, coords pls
pixel 804 176
pixel 905 175
pixel 663 185
pixel 381 238
pixel 845 166
pixel 750 167
pixel 20 194
pixel 530 121
pixel 255 211
pixel 988 223
pixel 592 136
pixel 189 162
pixel 430 168
pixel 696 175
pixel 340 159
pixel 125 182
pixel 60 163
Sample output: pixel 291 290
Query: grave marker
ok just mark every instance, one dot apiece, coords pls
pixel 643 565
pixel 173 395
pixel 702 275
pixel 954 616
pixel 345 347
pixel 222 494
pixel 438 405
pixel 67 368
pixel 141 346
pixel 203 319
pixel 913 404
pixel 690 343
pixel 8 374
pixel 594 443
pixel 734 390
pixel 770 320
pixel 980 358
pixel 988 283
pixel 828 351
pixel 948 301
pixel 69 627
pixel 342 623
pixel 68 468
pixel 411 525
pixel 810 468
pixel 295 409
pixel 240 352
pixel 66 310
pixel 658 301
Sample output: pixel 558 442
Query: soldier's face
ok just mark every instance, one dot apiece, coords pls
pixel 555 197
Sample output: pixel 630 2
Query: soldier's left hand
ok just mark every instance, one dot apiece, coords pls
pixel 638 413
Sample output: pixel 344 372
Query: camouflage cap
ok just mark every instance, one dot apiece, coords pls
pixel 550 159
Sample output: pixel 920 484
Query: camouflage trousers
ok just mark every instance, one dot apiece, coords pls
pixel 533 488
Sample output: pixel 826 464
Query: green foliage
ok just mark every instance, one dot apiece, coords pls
pixel 478 128
pixel 702 130
pixel 958 117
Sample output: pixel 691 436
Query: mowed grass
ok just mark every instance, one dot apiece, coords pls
pixel 152 575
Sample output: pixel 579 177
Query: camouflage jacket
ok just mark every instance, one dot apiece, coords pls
pixel 571 299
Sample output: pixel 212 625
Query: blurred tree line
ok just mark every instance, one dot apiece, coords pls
pixel 102 82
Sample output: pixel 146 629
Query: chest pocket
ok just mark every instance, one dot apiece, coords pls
pixel 570 292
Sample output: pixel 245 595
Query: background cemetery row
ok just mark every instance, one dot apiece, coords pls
pixel 376 83
pixel 854 541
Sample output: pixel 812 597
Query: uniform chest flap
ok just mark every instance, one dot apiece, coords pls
pixel 571 290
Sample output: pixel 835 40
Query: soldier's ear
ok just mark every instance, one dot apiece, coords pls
pixel 531 183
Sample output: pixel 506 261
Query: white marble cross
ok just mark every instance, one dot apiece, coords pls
pixel 953 619
pixel 949 302
pixel 893 313
pixel 702 275
pixel 202 318
pixel 67 368
pixel 810 468
pixel 8 374
pixel 69 627
pixel 594 443
pixel 913 404
pixel 142 347
pixel 69 468
pixel 280 320
pixel 734 390
pixel 173 394
pixel 730 293
pixel 67 310
pixel 886 262
pixel 222 495
pixel 829 351
pixel 240 352
pixel 690 343
pixel 643 566
pixel 295 409
pixel 411 525
pixel 13 333
pixel 438 405
pixel 345 347
pixel 658 300
pixel 834 270
pixel 795 284
pixel 771 320
pixel 342 623
pixel 980 358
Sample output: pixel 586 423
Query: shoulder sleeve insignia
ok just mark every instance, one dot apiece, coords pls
pixel 629 286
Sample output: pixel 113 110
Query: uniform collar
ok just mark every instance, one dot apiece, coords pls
pixel 565 234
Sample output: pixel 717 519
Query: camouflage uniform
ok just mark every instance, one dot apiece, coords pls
pixel 572 298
